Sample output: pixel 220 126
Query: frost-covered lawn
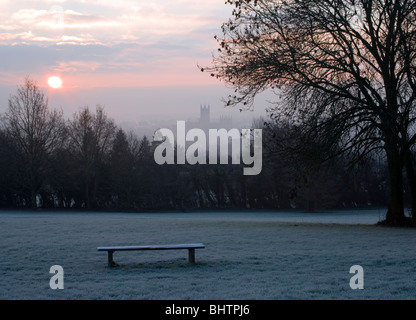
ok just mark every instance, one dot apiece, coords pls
pixel 248 255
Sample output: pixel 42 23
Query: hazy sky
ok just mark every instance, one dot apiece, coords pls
pixel 137 58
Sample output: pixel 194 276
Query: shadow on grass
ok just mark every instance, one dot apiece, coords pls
pixel 166 264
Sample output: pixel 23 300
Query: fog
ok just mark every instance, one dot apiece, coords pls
pixel 143 110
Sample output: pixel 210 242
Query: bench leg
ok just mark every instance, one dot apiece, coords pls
pixel 191 255
pixel 111 262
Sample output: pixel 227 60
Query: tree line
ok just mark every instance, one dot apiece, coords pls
pixel 88 162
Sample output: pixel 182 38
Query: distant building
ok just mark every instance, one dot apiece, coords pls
pixel 205 121
pixel 204 118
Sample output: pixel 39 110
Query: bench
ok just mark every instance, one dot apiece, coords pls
pixel 191 250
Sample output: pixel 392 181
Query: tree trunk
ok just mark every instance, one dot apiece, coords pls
pixel 395 213
pixel 33 201
pixel 243 203
pixel 411 179
pixel 87 194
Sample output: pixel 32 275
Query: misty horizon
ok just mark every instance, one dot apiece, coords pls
pixel 143 110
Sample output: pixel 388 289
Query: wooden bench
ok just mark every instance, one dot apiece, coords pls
pixel 191 250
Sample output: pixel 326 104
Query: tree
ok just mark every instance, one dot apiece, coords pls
pixel 90 140
pixel 122 169
pixel 9 169
pixel 346 69
pixel 36 132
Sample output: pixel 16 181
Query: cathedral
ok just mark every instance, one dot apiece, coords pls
pixel 205 121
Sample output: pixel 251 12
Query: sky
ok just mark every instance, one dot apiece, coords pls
pixel 138 59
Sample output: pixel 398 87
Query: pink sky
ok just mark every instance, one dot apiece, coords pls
pixel 151 42
pixel 109 52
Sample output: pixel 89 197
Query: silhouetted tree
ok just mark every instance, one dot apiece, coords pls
pixel 90 140
pixel 346 68
pixel 36 132
pixel 9 171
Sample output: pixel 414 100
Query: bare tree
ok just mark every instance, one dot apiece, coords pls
pixel 90 140
pixel 36 131
pixel 346 68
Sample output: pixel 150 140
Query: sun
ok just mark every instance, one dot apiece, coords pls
pixel 55 82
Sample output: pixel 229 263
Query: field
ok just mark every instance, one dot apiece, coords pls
pixel 248 255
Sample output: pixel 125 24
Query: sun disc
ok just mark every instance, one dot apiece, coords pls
pixel 55 82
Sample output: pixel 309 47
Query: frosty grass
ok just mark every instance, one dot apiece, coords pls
pixel 248 255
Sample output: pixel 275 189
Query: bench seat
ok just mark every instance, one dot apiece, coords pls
pixel 190 247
